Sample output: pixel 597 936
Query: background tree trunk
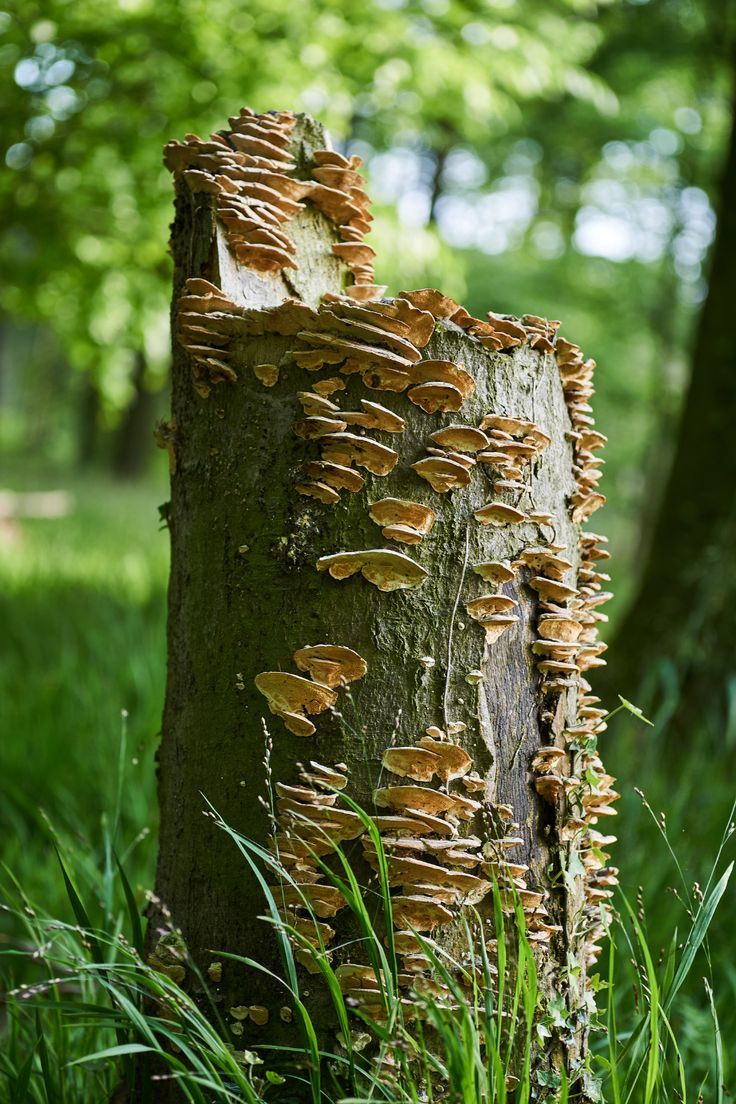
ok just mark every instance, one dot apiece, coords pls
pixel 133 444
pixel 675 647
pixel 245 595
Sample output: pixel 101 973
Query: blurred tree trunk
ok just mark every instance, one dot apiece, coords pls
pixel 678 639
pixel 245 595
pixel 88 426
pixel 133 444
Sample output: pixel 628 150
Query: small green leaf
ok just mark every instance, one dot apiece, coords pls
pixel 635 710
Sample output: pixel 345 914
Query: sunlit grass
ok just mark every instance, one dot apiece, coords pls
pixel 82 606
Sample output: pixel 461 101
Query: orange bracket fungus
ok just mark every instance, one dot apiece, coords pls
pixel 386 569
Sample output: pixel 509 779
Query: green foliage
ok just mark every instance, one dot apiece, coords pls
pixel 97 88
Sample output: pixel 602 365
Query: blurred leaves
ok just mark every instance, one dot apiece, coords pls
pixel 553 156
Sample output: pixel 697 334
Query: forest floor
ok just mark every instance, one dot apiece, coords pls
pixel 82 605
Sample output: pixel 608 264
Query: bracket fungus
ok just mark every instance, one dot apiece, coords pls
pixel 411 762
pixel 499 513
pixel 291 697
pixel 337 476
pixel 402 520
pixel 494 571
pixel 385 568
pixel 330 664
pixel 413 799
pixel 460 438
pixel 315 426
pixel 454 761
pixel 375 416
pixel 552 589
pixel 442 474
pixel 344 448
pixel 435 396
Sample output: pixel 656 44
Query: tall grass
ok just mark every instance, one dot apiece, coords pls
pixel 82 607
pixel 96 1010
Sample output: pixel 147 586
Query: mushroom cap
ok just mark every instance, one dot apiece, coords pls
pixel 343 448
pixel 442 474
pixel 293 694
pixel 411 762
pixel 443 371
pixel 330 664
pixel 488 605
pixel 402 511
pixel 385 568
pixel 420 799
pixel 315 426
pixel 454 760
pixel 419 912
pixel 435 396
pixel 463 438
pixel 335 475
pixel 559 628
pixel 552 589
pixel 319 490
pixel 499 513
pixel 494 571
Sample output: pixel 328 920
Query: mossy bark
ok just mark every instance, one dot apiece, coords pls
pixel 245 594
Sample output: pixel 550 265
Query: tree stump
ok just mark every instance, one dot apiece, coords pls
pixel 377 554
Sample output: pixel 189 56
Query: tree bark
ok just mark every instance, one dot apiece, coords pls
pixel 249 589
pixel 675 646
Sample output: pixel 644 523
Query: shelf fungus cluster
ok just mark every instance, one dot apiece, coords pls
pixel 506 445
pixel 248 171
pixel 209 326
pixel 577 382
pixel 295 698
pixel 309 826
pixel 251 172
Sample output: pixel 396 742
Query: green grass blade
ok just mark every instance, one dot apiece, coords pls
pixel 696 935
pixel 133 913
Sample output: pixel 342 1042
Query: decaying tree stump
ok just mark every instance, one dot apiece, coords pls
pixel 375 518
